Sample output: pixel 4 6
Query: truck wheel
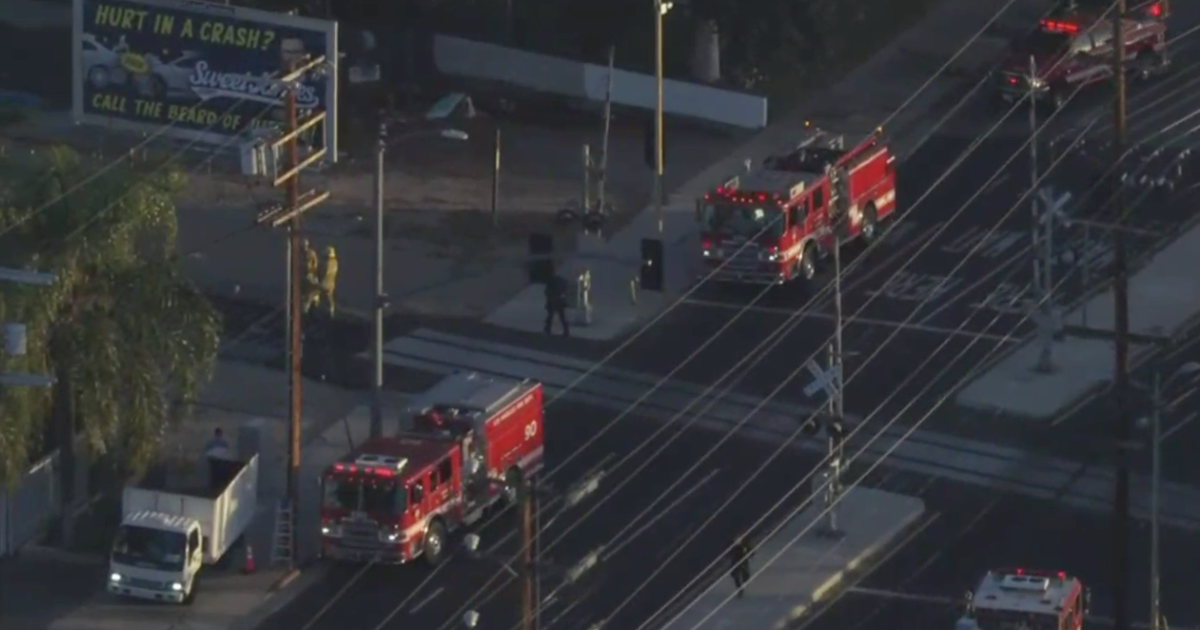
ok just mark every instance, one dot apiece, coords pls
pixel 433 547
pixel 869 230
pixel 514 483
pixel 808 263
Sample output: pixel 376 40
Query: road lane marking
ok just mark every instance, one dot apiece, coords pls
pixel 866 321
pixel 421 604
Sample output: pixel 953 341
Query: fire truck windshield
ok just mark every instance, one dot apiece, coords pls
pixel 362 493
pixel 991 619
pixel 1043 43
pixel 743 221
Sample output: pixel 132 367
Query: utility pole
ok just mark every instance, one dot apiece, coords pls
pixel 380 295
pixel 603 183
pixel 1041 289
pixel 289 214
pixel 661 7
pixel 1124 429
pixel 1155 473
pixel 529 603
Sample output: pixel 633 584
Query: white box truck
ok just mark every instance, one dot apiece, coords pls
pixel 168 534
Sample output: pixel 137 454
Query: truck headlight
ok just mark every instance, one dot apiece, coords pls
pixel 116 577
pixel 176 586
pixel 1037 83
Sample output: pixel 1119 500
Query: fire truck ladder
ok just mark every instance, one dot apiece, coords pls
pixel 281 552
pixel 820 137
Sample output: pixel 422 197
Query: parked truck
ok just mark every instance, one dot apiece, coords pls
pixel 168 534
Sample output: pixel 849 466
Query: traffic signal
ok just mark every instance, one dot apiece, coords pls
pixel 837 432
pixel 810 427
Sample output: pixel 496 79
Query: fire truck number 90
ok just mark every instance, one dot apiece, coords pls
pixel 531 430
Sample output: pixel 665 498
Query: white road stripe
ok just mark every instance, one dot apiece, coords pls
pixel 421 604
pixel 867 321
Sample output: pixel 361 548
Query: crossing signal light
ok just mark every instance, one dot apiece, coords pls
pixel 810 427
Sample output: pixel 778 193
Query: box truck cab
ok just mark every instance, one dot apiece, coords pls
pixel 167 535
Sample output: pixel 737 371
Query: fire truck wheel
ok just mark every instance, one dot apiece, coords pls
pixel 870 224
pixel 434 544
pixel 808 263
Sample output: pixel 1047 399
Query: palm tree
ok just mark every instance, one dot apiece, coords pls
pixel 125 334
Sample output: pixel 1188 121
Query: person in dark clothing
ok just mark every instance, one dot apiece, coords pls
pixel 556 304
pixel 740 556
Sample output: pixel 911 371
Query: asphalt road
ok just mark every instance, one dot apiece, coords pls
pixel 921 583
pixel 640 533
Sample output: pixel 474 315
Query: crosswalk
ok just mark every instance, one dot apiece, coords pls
pixel 921 451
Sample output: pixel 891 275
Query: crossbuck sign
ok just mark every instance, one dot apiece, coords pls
pixel 823 380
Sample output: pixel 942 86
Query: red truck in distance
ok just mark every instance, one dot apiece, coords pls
pixel 775 223
pixel 1074 50
pixel 473 441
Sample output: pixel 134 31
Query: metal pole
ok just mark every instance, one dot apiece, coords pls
pixel 527 568
pixel 1121 528
pixel 658 114
pixel 496 178
pixel 603 184
pixel 1155 477
pixel 377 313
pixel 537 558
pixel 1040 253
pixel 297 274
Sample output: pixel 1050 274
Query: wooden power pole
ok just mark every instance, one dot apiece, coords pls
pixel 289 214
pixel 1124 427
pixel 529 602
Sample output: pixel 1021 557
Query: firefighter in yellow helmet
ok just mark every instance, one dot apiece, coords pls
pixel 312 279
pixel 329 280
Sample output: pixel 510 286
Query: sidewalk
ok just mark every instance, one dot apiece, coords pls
pixel 979 463
pixel 1164 300
pixel 798 567
pixel 240 397
pixel 855 107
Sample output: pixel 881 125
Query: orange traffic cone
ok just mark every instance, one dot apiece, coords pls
pixel 249 565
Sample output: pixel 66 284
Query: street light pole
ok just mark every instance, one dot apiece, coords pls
pixel 1155 476
pixel 661 7
pixel 380 297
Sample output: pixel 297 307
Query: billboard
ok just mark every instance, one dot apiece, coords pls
pixel 198 71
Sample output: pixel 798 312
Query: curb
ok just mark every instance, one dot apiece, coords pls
pixel 822 591
pixel 282 592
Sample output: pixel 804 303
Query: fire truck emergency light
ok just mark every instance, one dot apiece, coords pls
pixel 1058 26
pixel 1156 10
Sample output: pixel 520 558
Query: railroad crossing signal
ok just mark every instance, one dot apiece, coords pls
pixel 823 380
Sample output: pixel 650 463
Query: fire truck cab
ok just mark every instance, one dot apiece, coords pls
pixel 774 223
pixel 1073 50
pixel 472 442
pixel 1037 600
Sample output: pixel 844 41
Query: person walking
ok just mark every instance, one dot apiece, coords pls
pixel 740 557
pixel 556 304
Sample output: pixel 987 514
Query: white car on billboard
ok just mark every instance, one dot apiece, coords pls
pixel 101 64
pixel 164 79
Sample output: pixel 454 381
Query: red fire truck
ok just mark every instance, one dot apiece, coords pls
pixel 1074 49
pixel 1037 600
pixel 473 441
pixel 774 223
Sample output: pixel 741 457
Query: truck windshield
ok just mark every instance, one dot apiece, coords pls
pixel 1044 44
pixel 362 494
pixel 148 548
pixel 743 221
pixel 988 619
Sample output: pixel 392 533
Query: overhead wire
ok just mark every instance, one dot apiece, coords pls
pixel 662 314
pixel 753 353
pixel 949 390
